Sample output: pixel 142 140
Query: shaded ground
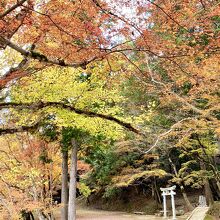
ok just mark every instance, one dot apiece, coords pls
pixel 107 215
pixel 134 200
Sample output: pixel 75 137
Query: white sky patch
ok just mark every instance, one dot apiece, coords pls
pixel 128 9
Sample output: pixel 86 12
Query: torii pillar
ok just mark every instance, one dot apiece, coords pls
pixel 169 192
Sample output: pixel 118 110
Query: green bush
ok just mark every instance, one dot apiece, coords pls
pixel 214 210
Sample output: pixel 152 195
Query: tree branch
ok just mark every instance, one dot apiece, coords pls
pixel 161 136
pixel 11 73
pixel 106 11
pixel 41 57
pixel 53 22
pixel 19 129
pixel 168 15
pixel 41 105
pixel 18 4
pixel 205 114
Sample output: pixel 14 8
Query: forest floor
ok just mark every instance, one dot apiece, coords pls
pixel 110 215
pixel 119 209
pixel 84 214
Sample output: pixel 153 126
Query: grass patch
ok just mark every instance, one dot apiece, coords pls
pixel 208 217
pixel 214 211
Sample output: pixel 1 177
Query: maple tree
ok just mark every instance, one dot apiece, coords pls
pixel 53 39
pixel 189 75
pixel 30 171
pixel 169 50
pixel 83 91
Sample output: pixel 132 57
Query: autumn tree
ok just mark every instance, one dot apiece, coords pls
pixel 171 48
pixel 30 171
pixel 62 101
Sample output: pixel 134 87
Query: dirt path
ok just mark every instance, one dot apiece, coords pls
pixel 106 215
pixel 94 214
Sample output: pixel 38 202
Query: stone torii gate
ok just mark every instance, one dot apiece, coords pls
pixel 169 192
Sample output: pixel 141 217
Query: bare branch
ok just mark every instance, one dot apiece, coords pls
pixel 161 136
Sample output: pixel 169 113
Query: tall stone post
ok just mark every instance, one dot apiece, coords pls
pixel 173 205
pixel 164 206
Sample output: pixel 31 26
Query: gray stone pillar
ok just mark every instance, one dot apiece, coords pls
pixel 173 206
pixel 164 206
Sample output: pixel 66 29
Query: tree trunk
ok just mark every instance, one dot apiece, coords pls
pixel 208 192
pixel 211 163
pixel 31 216
pixel 27 215
pixel 64 190
pixel 157 194
pixel 188 203
pixel 41 215
pixel 218 185
pixel 72 187
pixel 185 197
pixel 214 188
